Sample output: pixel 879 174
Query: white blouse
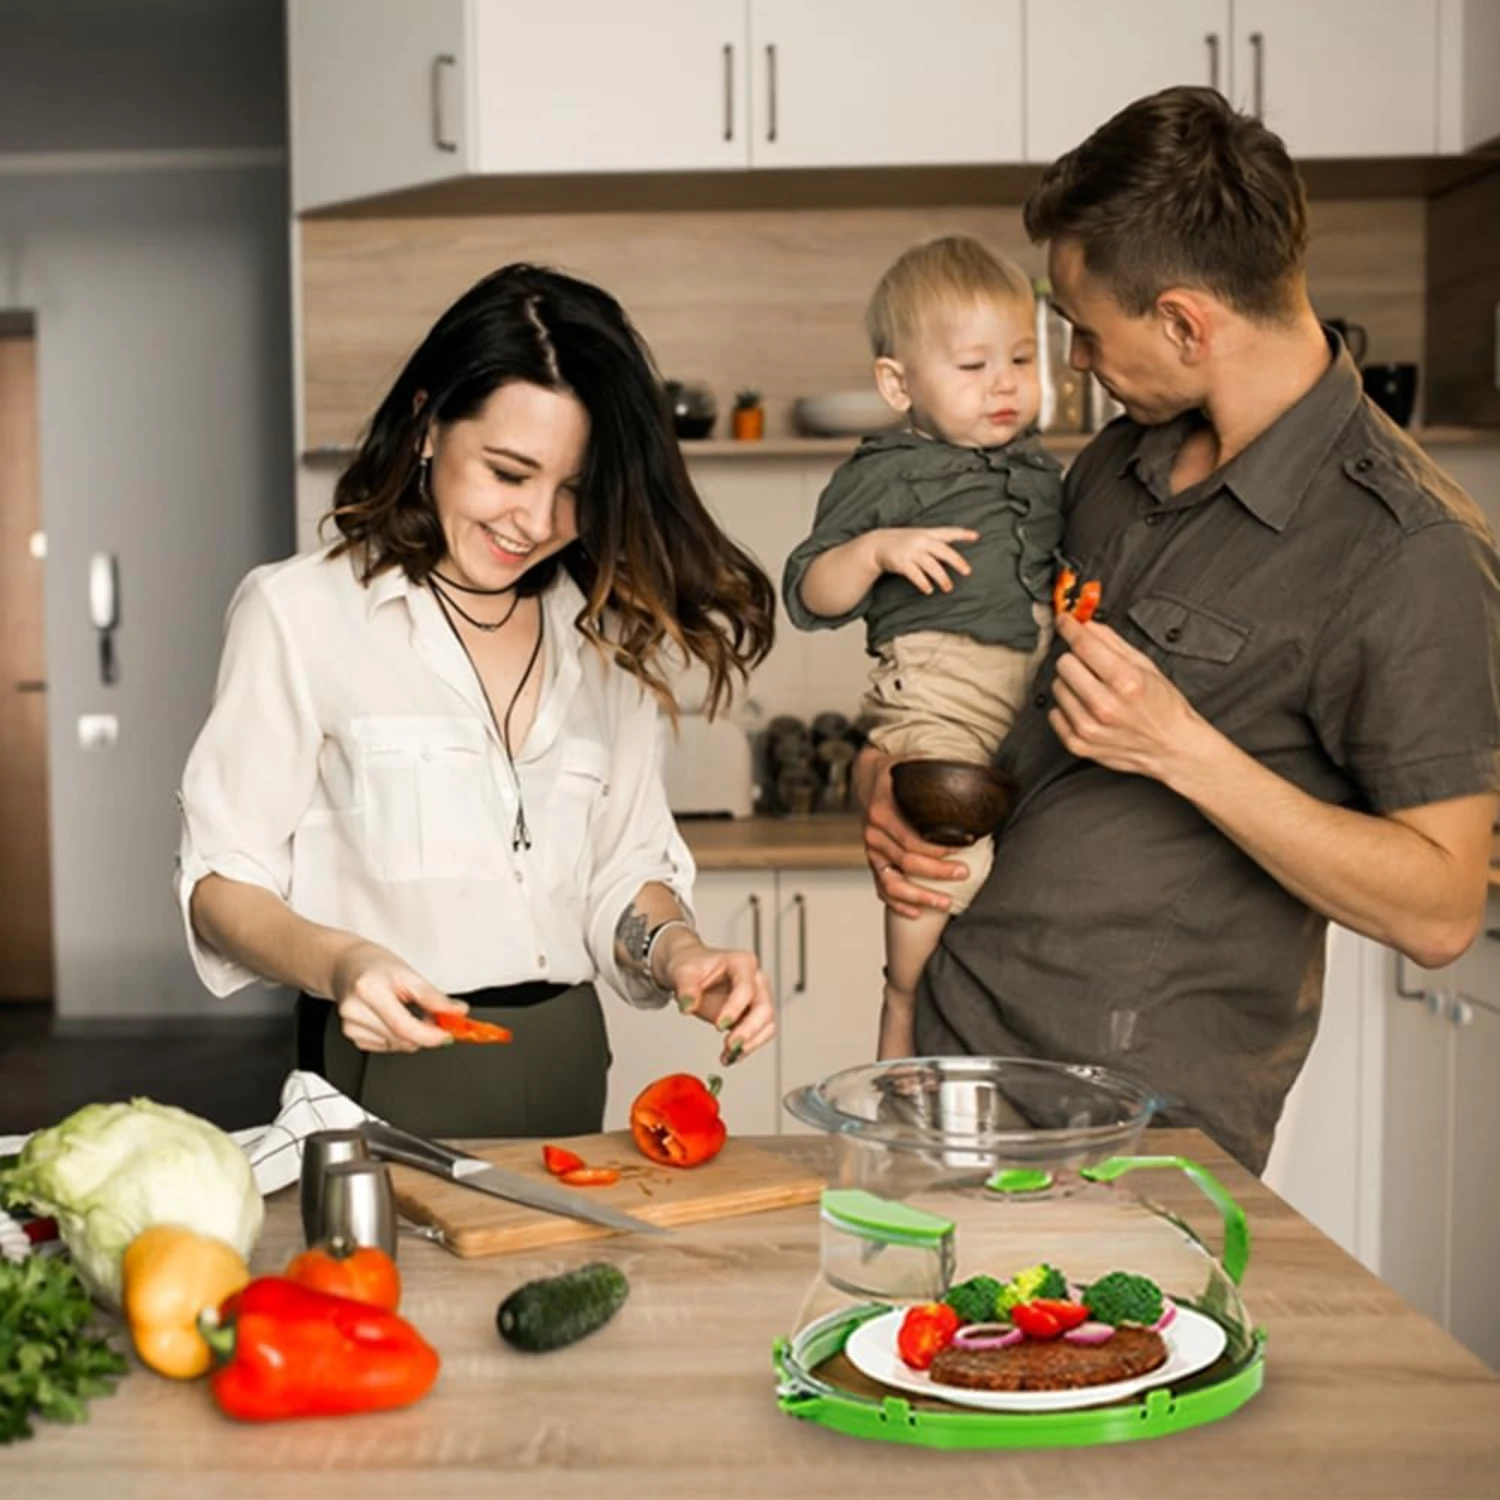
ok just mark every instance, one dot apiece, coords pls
pixel 350 766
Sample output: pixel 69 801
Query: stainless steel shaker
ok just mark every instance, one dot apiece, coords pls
pixel 358 1206
pixel 321 1150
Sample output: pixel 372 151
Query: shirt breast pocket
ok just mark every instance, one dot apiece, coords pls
pixel 1195 646
pixel 431 809
pixel 566 831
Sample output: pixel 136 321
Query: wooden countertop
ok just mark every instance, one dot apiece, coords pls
pixel 675 1399
pixel 826 841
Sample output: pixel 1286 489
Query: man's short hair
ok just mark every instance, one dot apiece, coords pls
pixel 1179 189
pixel 952 271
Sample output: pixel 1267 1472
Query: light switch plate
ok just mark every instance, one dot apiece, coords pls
pixel 98 731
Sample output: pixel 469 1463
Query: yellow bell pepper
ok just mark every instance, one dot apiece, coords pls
pixel 168 1276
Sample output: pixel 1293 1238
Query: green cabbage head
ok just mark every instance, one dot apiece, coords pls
pixel 111 1170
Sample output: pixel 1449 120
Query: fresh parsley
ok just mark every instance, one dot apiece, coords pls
pixel 53 1358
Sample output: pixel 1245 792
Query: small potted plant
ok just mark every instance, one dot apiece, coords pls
pixel 749 416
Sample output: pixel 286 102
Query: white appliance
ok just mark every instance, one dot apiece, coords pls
pixel 708 769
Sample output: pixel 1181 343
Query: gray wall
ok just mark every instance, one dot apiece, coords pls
pixel 162 309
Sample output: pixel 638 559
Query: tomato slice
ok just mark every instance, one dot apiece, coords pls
pixel 463 1029
pixel 590 1177
pixel 558 1159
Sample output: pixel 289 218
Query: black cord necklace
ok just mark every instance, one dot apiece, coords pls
pixel 520 833
pixel 464 588
pixel 454 605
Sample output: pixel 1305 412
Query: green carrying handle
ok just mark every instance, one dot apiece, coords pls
pixel 1236 1255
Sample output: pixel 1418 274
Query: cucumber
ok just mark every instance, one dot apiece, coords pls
pixel 559 1310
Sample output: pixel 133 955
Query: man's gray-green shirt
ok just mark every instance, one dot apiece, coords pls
pixel 1011 496
pixel 1330 601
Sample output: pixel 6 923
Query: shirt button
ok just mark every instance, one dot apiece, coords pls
pixel 426 752
pixel 1363 465
pixel 1040 700
pixel 520 878
pixel 541 960
pixel 1155 518
pixel 1174 633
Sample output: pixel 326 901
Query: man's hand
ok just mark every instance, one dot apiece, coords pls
pixel 892 848
pixel 923 555
pixel 1113 705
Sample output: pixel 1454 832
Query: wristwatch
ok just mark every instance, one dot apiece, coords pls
pixel 648 946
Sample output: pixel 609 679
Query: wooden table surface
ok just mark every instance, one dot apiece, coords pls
pixel 830 841
pixel 1364 1399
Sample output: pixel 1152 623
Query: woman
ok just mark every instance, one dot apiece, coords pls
pixel 430 780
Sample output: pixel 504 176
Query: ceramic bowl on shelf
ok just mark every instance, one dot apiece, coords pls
pixel 843 414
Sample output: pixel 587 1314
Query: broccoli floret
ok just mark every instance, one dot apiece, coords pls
pixel 975 1300
pixel 1123 1298
pixel 1033 1282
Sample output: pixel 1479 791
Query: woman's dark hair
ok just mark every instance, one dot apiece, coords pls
pixel 1179 189
pixel 647 553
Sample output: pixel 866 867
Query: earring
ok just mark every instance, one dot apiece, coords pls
pixel 424 477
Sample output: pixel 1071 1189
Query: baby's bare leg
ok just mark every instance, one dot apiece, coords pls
pixel 909 943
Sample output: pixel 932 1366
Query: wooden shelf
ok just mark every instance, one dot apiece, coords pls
pixel 837 447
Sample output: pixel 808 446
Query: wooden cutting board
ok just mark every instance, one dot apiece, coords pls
pixel 741 1179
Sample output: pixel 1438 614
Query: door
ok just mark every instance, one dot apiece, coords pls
pixel 1473 1292
pixel 1086 61
pixel 853 83
pixel 25 860
pixel 1341 77
pixel 830 952
pixel 377 92
pixel 734 910
pixel 1414 1189
pixel 602 86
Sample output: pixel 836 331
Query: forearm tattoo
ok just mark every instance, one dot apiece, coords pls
pixel 630 941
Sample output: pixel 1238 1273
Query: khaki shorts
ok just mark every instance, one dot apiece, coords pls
pixel 936 696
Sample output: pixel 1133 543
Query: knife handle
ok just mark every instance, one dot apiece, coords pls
pixel 390 1144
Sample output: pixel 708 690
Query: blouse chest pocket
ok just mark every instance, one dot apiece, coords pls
pixel 581 785
pixel 430 805
pixel 1193 645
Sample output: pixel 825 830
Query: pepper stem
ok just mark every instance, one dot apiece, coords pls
pixel 219 1336
pixel 714 1083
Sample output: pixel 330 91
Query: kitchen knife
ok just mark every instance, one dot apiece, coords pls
pixel 390 1144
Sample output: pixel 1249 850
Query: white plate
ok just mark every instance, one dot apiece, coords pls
pixel 1194 1341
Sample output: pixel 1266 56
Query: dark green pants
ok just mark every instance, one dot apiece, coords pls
pixel 549 1080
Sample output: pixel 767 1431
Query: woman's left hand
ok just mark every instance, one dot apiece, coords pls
pixel 725 987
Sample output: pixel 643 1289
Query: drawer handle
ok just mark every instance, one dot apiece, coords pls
pixel 800 902
pixel 1212 39
pixel 439 139
pixel 755 929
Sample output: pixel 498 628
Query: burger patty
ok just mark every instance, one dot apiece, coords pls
pixel 1053 1364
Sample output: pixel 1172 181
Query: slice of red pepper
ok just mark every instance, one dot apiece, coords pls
pixel 463 1029
pixel 1034 1321
pixel 558 1159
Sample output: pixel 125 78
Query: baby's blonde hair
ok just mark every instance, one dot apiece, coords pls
pixel 939 273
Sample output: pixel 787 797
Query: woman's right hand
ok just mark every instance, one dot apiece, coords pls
pixel 893 848
pixel 372 988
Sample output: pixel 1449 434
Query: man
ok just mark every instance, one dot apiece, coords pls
pixel 1286 709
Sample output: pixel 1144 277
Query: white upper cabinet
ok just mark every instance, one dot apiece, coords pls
pixel 863 83
pixel 610 85
pixel 1341 77
pixel 377 96
pixel 1085 61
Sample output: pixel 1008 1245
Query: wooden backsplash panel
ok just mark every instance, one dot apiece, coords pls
pixel 772 299
pixel 1463 277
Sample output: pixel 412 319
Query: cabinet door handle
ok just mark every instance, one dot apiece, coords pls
pixel 31 685
pixel 800 902
pixel 728 91
pixel 1493 934
pixel 1401 988
pixel 1212 41
pixel 1462 1013
pixel 441 61
pixel 755 929
pixel 1258 74
pixel 771 91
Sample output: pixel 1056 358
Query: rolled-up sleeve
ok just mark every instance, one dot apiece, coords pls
pixel 1406 686
pixel 251 773
pixel 634 839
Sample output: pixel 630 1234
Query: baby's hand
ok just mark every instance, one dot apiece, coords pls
pixel 922 555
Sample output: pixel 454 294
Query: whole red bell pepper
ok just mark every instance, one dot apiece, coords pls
pixel 675 1121
pixel 293 1352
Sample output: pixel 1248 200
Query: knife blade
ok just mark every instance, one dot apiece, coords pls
pixel 390 1144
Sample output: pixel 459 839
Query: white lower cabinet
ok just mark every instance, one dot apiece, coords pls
pixel 819 937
